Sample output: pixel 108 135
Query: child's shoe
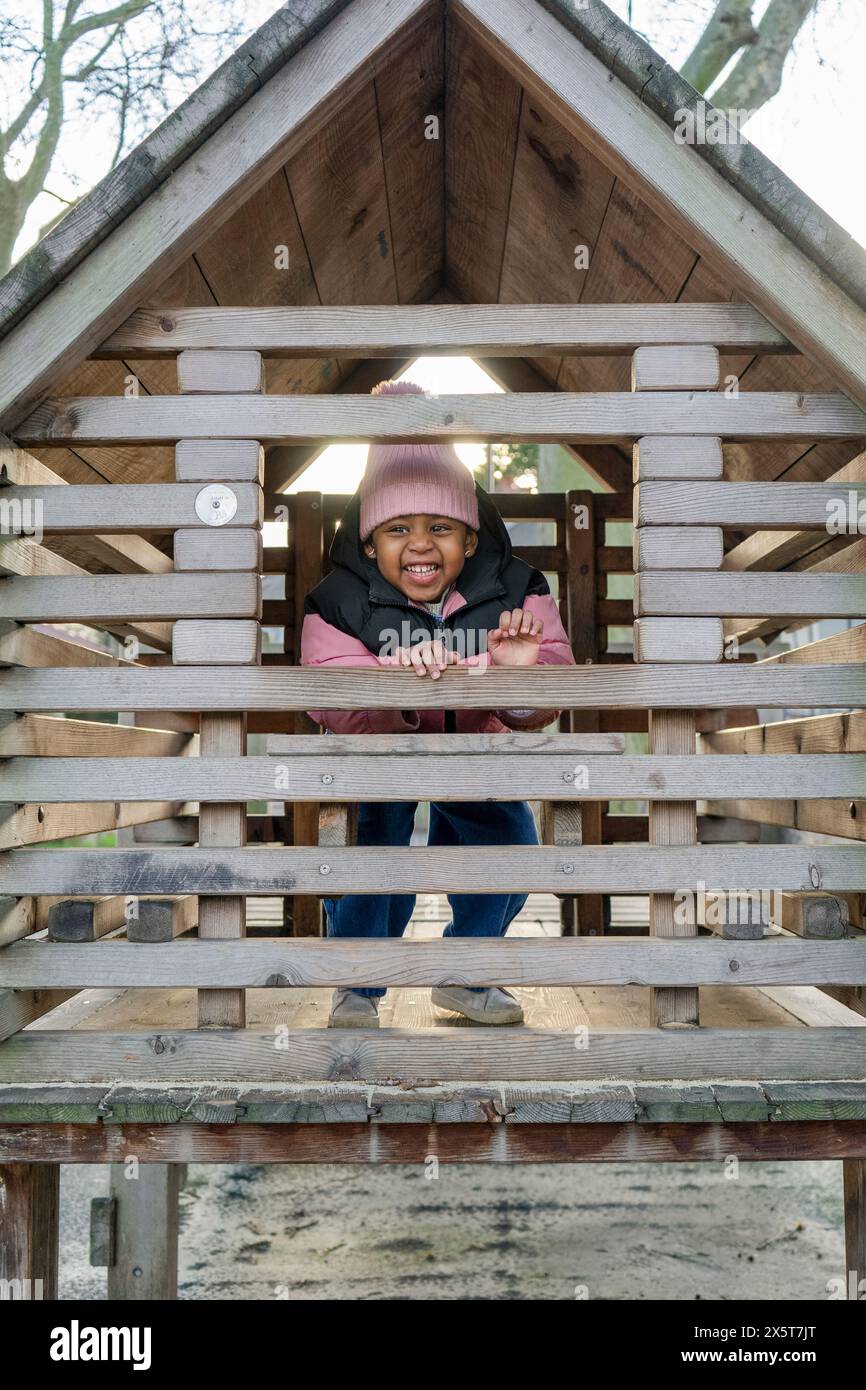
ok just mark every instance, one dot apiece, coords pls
pixel 349 1009
pixel 486 1006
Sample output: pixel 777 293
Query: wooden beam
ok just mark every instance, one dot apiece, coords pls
pixel 125 507
pixel 132 597
pixel 590 417
pixel 309 964
pixel 787 595
pixel 472 777
pixel 414 330
pixel 775 506
pixel 29 1228
pixel 277 871
pixel 466 1054
pixel 542 687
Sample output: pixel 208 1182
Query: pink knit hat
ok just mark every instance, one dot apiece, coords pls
pixel 402 479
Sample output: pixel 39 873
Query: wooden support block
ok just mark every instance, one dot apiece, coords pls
pixel 678 639
pixel 145 1263
pixel 161 919
pixel 219 460
pixel 197 643
pixel 561 823
pixel 686 368
pixel 772 506
pixel 678 548
pixel 85 919
pixel 737 916
pixel 17 919
pixel 820 915
pixel 29 1228
pixel 677 456
pixel 219 370
pixel 338 823
pixel 217 550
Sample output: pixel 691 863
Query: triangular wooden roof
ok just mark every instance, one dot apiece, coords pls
pixel 556 130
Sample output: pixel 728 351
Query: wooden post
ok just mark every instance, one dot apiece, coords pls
pixel 673 731
pixel 29 1225
pixel 145 1230
pixel 854 1187
pixel 581 582
pixel 307 545
pixel 218 465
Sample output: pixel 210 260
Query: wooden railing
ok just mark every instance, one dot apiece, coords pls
pixel 207 607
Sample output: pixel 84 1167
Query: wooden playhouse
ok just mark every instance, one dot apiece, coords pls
pixel 363 182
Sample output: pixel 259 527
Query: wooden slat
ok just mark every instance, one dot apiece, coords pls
pixel 127 506
pixel 283 964
pixel 776 549
pixel 132 597
pixel 774 506
pixel 467 1054
pixel 591 417
pixel 238 643
pixel 847 646
pixel 593 868
pixel 201 373
pixel 36 735
pixel 841 818
pixel 33 824
pixel 474 329
pixel 453 745
pixel 217 549
pixel 750 595
pixel 225 460
pixel 826 733
pixel 678 640
pixel 302 688
pixel 361 777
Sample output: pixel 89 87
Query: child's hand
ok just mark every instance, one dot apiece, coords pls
pixel 430 656
pixel 516 641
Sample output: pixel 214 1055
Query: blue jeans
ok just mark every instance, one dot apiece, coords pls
pixel 451 823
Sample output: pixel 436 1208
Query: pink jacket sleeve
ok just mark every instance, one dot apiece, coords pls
pixel 326 646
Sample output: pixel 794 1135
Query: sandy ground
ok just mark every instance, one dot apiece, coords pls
pixel 547 1231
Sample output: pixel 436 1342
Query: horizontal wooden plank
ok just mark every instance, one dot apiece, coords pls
pixel 396 330
pixel 27 646
pixel 133 597
pixel 849 645
pixel 451 745
pixel 773 506
pixel 36 735
pixel 309 964
pixel 541 687
pixel 823 733
pixel 474 1141
pixel 841 818
pixel 37 824
pixel 800 595
pixel 473 777
pixel 194 642
pixel 122 506
pixel 536 869
pixel 459 1054
pixel 588 417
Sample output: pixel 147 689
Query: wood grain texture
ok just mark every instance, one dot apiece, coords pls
pixel 599 417
pixel 775 506
pixel 593 868
pixel 125 507
pixel 751 595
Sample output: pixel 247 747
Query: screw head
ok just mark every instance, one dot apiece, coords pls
pixel 567 868
pixel 327 778
pixel 324 868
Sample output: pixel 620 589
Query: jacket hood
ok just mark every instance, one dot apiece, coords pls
pixel 481 575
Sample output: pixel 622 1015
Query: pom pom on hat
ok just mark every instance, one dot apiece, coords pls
pixel 404 479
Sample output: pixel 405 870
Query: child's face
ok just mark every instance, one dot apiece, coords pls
pixel 421 555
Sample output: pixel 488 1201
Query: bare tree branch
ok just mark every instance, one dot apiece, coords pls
pixel 757 76
pixel 729 28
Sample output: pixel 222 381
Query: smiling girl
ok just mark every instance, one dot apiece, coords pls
pixel 424 577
